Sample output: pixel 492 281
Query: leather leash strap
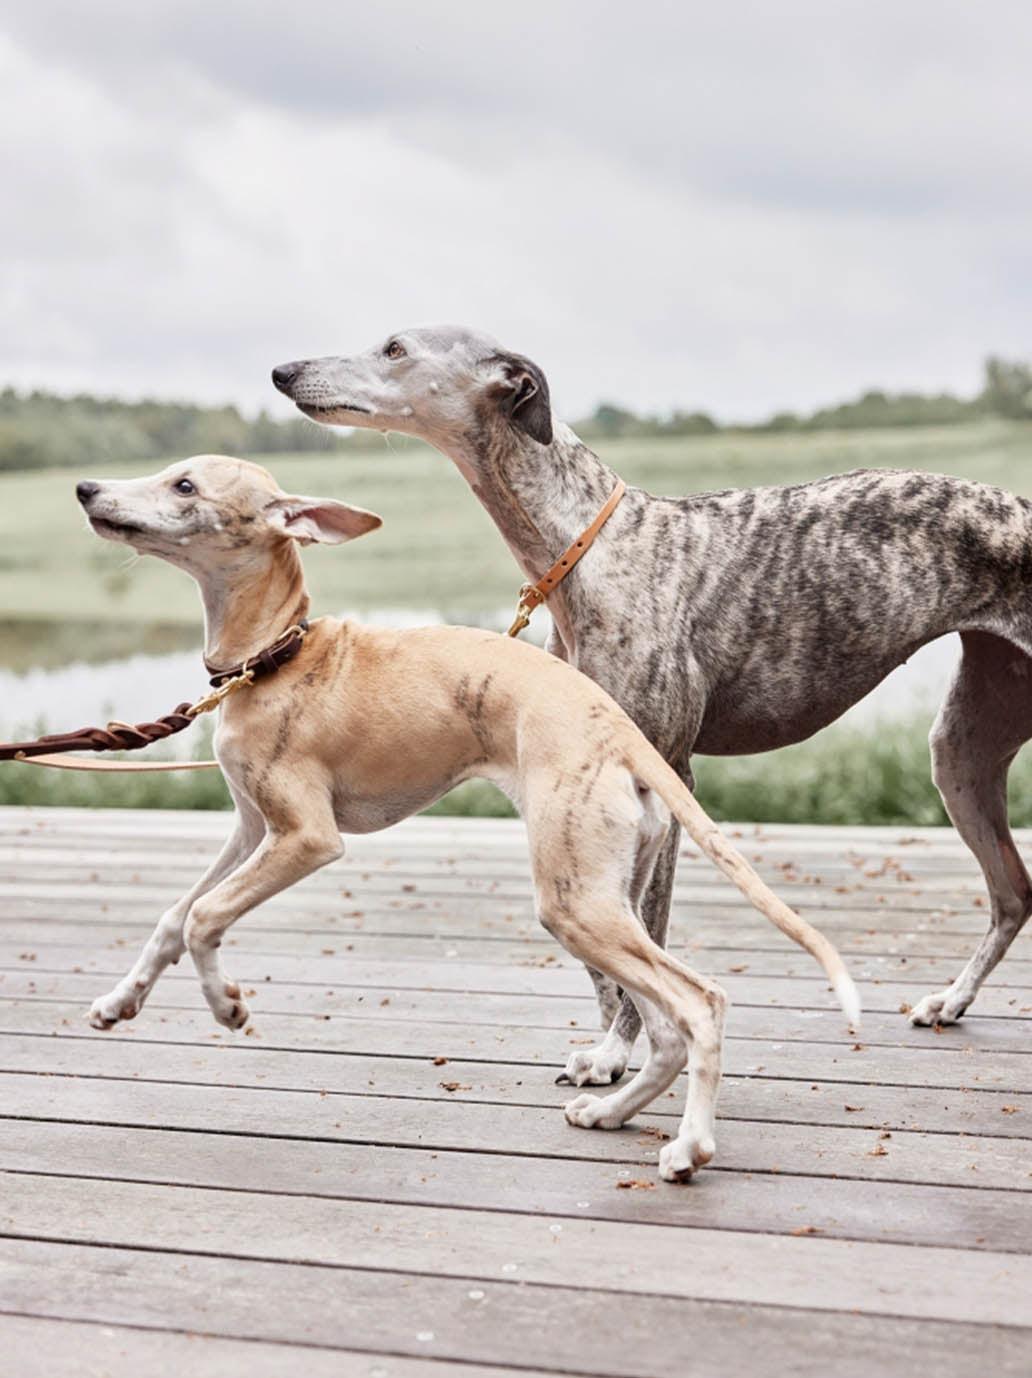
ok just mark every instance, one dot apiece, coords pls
pixel 533 595
pixel 120 736
pixel 117 736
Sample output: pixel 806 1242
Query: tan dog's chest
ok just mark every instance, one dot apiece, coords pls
pixel 382 732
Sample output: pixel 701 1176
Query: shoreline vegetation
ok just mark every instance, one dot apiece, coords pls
pixel 844 775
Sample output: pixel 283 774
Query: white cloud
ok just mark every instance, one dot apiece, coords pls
pixel 665 205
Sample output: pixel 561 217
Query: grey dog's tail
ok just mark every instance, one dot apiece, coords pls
pixel 650 768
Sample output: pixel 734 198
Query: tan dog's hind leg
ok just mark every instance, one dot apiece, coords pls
pixel 165 945
pixel 607 1062
pixel 684 1019
pixel 667 1055
pixel 585 853
pixel 282 859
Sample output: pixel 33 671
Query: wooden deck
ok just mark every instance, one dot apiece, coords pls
pixel 375 1178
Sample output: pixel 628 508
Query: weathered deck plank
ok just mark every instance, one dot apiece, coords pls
pixel 824 1150
pixel 560 1328
pixel 536 1175
pixel 323 1184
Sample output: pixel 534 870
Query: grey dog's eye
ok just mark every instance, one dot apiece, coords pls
pixel 184 486
pixel 395 350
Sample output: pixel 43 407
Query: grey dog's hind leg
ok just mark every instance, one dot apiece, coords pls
pixel 608 994
pixel 986 717
pixel 653 908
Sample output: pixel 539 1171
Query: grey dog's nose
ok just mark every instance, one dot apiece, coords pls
pixel 284 374
pixel 86 490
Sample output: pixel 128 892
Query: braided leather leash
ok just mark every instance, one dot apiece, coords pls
pixel 120 736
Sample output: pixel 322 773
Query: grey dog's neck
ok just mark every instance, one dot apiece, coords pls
pixel 541 497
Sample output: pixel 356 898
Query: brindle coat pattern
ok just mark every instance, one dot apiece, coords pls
pixel 739 621
pixel 365 726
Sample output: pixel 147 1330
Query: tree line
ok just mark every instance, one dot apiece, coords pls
pixel 42 429
pixel 1006 392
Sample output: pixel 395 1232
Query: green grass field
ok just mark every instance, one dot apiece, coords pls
pixel 438 549
pixel 65 595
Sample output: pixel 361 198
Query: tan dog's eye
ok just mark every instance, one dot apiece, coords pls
pixel 184 486
pixel 395 350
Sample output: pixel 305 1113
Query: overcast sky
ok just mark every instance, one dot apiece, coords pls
pixel 736 206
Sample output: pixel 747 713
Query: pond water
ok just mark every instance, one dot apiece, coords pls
pixel 43 697
pixel 137 687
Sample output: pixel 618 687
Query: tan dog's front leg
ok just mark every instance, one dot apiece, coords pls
pixel 282 859
pixel 165 945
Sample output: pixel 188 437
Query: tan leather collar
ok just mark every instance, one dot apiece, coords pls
pixel 533 595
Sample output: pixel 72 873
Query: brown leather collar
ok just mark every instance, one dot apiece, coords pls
pixel 267 661
pixel 533 595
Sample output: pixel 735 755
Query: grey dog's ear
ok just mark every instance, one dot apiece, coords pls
pixel 320 519
pixel 524 397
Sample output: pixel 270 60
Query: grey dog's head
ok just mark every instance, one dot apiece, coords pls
pixel 443 383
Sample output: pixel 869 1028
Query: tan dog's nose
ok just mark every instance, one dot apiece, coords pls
pixel 86 491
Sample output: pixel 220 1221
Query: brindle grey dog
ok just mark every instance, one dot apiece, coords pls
pixel 737 621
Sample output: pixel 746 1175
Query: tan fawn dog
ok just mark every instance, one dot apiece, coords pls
pixel 366 726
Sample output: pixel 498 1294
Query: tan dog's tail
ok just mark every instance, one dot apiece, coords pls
pixel 650 768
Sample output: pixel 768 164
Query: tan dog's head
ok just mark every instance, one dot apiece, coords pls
pixel 203 512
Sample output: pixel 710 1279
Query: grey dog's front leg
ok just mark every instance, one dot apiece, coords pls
pixel 606 1063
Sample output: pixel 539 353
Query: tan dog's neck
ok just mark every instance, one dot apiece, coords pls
pixel 248 608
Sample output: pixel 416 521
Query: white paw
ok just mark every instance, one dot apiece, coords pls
pixel 941 1008
pixel 679 1159
pixel 108 1009
pixel 599 1066
pixel 591 1112
pixel 229 1009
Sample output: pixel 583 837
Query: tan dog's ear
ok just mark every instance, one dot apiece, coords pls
pixel 320 519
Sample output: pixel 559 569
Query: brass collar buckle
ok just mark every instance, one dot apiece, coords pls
pixel 211 701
